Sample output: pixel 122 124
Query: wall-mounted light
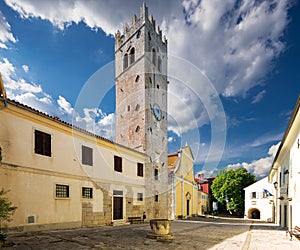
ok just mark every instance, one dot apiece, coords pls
pixel 275 184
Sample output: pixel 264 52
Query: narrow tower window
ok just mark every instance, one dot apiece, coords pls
pixel 154 56
pixel 125 61
pixel 159 63
pixel 137 129
pixel 156 174
pixel 132 55
pixel 137 78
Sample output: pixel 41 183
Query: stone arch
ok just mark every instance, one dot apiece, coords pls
pixel 253 213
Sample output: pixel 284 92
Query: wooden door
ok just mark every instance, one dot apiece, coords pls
pixel 118 208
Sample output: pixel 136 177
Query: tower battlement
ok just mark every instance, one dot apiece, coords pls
pixel 135 24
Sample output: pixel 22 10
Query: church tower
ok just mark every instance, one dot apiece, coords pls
pixel 141 103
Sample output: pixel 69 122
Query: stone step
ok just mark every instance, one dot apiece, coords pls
pixel 119 223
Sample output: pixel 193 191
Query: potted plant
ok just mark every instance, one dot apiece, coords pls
pixel 6 211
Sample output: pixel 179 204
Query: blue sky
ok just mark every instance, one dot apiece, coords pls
pixel 247 52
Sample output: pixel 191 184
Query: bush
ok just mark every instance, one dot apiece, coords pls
pixel 6 212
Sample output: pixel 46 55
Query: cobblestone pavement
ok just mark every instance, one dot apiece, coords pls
pixel 201 234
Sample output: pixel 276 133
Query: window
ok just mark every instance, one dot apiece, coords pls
pixel 159 63
pixel 42 143
pixel 280 180
pixel 138 34
pixel 125 61
pixel 118 163
pixel 137 107
pixel 87 155
pixel 137 129
pixel 253 195
pixel 87 193
pixel 128 108
pixel 140 169
pixel 132 55
pixel 140 196
pixel 137 78
pixel 156 174
pixel 154 56
pixel 62 191
pixel 156 198
pixel 117 192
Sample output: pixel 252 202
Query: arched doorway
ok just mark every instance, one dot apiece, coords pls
pixel 253 213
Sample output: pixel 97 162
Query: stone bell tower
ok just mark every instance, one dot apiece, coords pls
pixel 141 103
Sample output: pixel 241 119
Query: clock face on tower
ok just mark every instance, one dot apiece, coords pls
pixel 157 112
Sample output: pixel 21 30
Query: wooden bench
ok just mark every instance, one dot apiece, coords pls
pixel 136 219
pixel 294 232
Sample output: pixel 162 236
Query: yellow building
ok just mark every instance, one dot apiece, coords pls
pixel 203 203
pixel 183 189
pixel 61 176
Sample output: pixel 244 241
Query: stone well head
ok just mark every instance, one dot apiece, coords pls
pixel 160 226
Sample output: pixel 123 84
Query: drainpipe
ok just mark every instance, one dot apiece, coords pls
pixel 182 197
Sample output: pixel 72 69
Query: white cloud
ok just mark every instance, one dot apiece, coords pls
pixel 261 167
pixel 25 68
pixel 264 139
pixel 14 84
pixel 207 173
pixel 258 97
pixel 170 139
pixel 6 35
pixel 64 105
pixel 235 46
pixel 97 122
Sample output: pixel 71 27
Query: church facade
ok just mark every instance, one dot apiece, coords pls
pixel 61 176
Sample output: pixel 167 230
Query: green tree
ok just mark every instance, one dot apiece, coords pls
pixel 6 211
pixel 228 188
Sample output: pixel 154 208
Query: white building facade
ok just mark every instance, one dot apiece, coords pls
pixel 284 174
pixel 259 198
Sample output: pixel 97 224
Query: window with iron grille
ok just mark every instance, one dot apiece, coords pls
pixel 140 169
pixel 87 193
pixel 87 155
pixel 118 163
pixel 42 143
pixel 62 191
pixel 140 196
